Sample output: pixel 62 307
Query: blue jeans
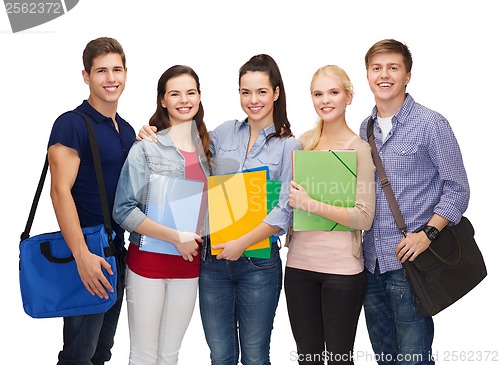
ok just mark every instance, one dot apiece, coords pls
pixel 398 333
pixel 88 339
pixel 238 301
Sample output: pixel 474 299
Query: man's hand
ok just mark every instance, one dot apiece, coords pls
pixel 411 246
pixel 90 270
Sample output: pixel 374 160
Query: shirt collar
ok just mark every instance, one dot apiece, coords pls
pixel 98 117
pixel 267 131
pixel 403 111
pixel 164 138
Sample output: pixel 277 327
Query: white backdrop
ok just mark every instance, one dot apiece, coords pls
pixel 455 49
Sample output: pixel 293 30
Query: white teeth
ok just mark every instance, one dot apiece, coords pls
pixel 385 85
pixel 111 88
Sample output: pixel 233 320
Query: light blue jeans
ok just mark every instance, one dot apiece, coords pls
pixel 238 301
pixel 398 333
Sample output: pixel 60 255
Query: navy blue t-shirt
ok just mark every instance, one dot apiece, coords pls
pixel 70 130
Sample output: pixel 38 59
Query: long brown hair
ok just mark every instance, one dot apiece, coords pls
pixel 161 118
pixel 265 63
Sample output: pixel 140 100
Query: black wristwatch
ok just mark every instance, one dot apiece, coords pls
pixel 431 232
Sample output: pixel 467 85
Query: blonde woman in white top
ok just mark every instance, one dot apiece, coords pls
pixel 324 280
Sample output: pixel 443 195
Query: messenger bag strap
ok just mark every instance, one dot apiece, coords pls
pixel 384 181
pixel 100 180
pixel 100 183
pixel 36 199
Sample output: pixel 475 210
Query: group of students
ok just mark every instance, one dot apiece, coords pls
pixel 329 275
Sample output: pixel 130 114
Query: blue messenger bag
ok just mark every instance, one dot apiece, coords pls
pixel 48 276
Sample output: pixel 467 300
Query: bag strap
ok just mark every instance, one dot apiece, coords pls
pixel 384 181
pixel 36 199
pixel 396 212
pixel 100 182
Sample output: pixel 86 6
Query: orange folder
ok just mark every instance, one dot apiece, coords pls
pixel 237 203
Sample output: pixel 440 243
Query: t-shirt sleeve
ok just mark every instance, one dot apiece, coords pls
pixel 70 130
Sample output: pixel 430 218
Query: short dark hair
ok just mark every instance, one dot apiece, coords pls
pixel 101 46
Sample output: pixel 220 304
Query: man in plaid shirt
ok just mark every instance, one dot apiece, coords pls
pixel 424 165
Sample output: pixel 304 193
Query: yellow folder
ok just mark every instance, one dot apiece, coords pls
pixel 273 196
pixel 237 203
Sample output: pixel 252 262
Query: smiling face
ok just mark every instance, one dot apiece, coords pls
pixel 106 81
pixel 257 97
pixel 329 98
pixel 181 99
pixel 387 77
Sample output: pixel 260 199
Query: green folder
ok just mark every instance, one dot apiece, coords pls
pixel 273 189
pixel 329 177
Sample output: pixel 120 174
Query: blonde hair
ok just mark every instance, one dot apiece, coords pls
pixel 310 139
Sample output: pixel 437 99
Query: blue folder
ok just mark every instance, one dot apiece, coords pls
pixel 173 202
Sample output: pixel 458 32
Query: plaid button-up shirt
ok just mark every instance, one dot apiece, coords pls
pixel 423 162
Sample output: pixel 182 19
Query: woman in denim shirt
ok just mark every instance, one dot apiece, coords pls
pixel 239 295
pixel 161 288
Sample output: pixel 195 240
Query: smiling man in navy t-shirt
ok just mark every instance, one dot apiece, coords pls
pixel 75 196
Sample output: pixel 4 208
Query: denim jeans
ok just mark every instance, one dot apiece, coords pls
pixel 324 311
pixel 238 301
pixel 398 333
pixel 88 339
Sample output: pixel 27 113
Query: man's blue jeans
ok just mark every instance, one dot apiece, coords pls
pixel 88 339
pixel 398 333
pixel 238 301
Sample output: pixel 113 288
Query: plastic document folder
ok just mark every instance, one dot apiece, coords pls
pixel 237 203
pixel 273 196
pixel 329 177
pixel 173 202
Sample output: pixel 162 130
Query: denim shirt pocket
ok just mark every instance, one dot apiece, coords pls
pixel 228 150
pixel 270 159
pixel 273 161
pixel 227 159
pixel 164 166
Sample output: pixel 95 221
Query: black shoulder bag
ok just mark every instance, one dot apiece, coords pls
pixel 452 265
